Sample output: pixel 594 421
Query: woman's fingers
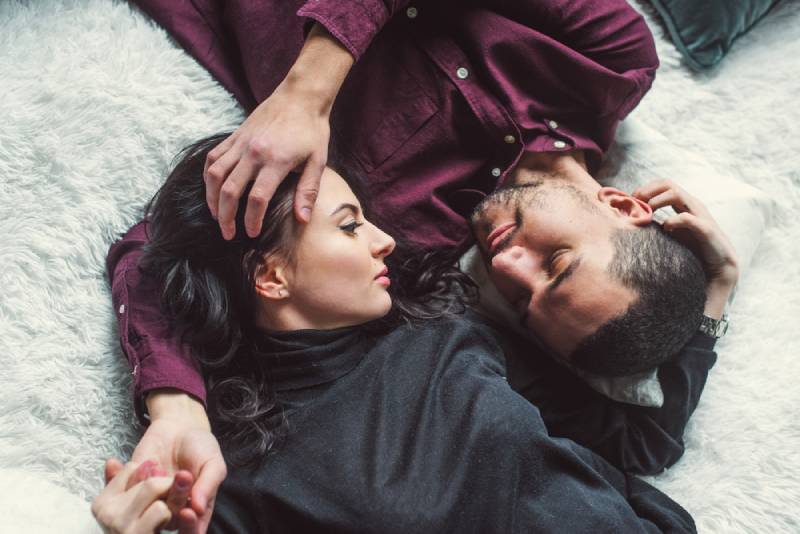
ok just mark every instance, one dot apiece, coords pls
pixel 119 482
pixel 113 467
pixel 146 492
pixel 154 517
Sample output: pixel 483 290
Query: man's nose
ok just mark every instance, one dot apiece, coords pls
pixel 511 268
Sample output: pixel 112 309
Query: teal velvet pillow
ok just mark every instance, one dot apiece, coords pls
pixel 703 30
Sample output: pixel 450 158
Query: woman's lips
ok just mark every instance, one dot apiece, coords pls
pixel 497 235
pixel 382 277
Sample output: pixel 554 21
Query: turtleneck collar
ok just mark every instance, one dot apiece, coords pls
pixel 306 358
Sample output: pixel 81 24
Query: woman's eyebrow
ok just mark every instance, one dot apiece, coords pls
pixel 346 206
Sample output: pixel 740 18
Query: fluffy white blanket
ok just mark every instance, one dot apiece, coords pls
pixel 95 100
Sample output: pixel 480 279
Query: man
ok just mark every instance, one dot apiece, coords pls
pixel 435 104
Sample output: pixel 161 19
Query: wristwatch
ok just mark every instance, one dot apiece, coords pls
pixel 715 328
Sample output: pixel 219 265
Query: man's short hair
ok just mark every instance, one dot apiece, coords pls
pixel 670 284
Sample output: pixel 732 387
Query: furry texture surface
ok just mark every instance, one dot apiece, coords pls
pixel 95 102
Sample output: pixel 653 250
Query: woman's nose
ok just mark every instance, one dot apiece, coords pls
pixel 383 245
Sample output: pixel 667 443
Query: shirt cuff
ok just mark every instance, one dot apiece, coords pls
pixel 168 374
pixel 354 24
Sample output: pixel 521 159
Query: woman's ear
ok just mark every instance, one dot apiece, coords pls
pixel 636 211
pixel 271 282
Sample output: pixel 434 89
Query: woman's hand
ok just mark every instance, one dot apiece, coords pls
pixel 287 132
pixel 694 226
pixel 135 510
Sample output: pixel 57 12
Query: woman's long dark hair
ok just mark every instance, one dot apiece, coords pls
pixel 208 292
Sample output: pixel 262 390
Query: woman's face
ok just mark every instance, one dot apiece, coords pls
pixel 337 277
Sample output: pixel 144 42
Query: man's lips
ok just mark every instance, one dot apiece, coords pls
pixel 497 235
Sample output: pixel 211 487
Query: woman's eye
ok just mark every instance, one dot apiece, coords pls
pixel 350 228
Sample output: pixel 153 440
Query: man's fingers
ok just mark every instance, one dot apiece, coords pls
pixel 208 481
pixel 308 189
pixel 188 522
pixel 686 221
pixel 266 183
pixel 651 189
pixel 217 174
pixel 669 198
pixel 245 171
pixel 113 467
pixel 155 516
pixel 217 152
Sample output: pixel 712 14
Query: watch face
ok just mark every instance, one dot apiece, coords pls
pixel 713 327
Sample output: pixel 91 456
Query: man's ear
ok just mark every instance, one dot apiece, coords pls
pixel 271 282
pixel 637 211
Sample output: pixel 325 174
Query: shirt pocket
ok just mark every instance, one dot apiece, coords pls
pixel 403 109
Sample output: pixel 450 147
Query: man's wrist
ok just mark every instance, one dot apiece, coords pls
pixel 176 405
pixel 319 71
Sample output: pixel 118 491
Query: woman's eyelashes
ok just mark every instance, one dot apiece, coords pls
pixel 351 227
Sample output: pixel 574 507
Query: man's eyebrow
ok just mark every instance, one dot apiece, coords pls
pixel 346 206
pixel 566 273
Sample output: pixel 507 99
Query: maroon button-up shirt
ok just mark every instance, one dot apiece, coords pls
pixel 441 103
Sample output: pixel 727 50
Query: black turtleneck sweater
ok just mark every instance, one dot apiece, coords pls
pixel 418 431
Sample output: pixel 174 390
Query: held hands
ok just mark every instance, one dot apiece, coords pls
pixel 694 226
pixel 178 442
pixel 132 501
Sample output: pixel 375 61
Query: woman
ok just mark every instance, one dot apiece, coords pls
pixel 349 390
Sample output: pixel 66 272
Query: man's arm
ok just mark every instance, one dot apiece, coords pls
pixel 633 438
pixel 169 392
pixel 157 358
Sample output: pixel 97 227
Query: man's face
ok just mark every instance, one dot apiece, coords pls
pixel 548 247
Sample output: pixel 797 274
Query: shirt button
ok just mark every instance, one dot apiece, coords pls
pixel 496 172
pixel 411 12
pixel 462 73
pixel 509 139
pixel 121 309
pixel 559 144
pixel 553 124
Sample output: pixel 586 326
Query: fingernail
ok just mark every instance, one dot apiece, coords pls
pixel 182 484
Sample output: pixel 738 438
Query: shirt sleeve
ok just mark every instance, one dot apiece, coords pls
pixel 636 439
pixel 354 24
pixel 611 39
pixel 154 352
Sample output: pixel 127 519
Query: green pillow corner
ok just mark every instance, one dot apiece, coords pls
pixel 704 30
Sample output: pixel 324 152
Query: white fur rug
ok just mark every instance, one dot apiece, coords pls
pixel 95 100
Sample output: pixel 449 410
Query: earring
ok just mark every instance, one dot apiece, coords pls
pixel 280 292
